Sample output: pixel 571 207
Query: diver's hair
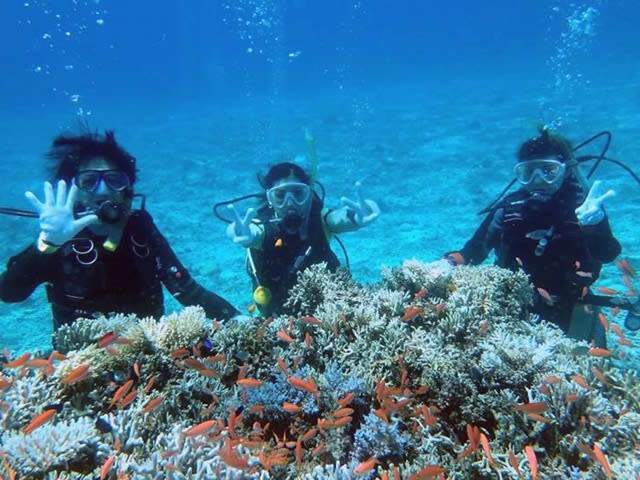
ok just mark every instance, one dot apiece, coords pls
pixel 69 151
pixel 283 170
pixel 546 145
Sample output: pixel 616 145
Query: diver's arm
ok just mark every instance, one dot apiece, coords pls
pixel 178 281
pixel 602 245
pixel 24 273
pixel 476 250
pixel 340 220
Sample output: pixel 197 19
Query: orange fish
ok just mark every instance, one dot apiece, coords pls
pixel 346 400
pixel 18 362
pixel 365 467
pixel 410 313
pixel 39 420
pixel 311 320
pixel 106 467
pixel 608 291
pixel 625 267
pixel 533 461
pixel 513 461
pixel 152 404
pixel 602 460
pixel 343 412
pixel 580 380
pixel 533 407
pixel 546 296
pixel 200 429
pixel 121 392
pixel 291 407
pixel 306 385
pixel 249 382
pixel 284 336
pixel 599 352
pixel 77 375
pixel 231 457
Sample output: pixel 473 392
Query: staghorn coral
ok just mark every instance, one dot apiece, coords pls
pixel 70 445
pixel 413 371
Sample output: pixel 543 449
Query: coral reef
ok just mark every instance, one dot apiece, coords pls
pixel 437 372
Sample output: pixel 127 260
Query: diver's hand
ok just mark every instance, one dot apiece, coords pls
pixel 242 230
pixel 591 212
pixel 365 211
pixel 57 221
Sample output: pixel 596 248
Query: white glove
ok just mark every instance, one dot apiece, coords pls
pixel 57 221
pixel 591 212
pixel 242 230
pixel 365 211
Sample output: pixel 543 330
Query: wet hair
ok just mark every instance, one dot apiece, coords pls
pixel 546 145
pixel 283 170
pixel 69 151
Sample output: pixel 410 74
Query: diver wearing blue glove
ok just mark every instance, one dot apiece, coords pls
pixel 95 253
pixel 290 230
pixel 553 229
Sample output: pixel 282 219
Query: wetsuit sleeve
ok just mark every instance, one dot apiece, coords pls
pixel 24 273
pixel 486 238
pixel 178 280
pixel 601 243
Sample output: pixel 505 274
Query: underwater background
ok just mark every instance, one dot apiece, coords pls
pixel 425 103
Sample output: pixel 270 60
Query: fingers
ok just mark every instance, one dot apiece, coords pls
pixel 236 214
pixel 359 195
pixel 608 194
pixel 37 204
pixel 48 193
pixel 84 221
pixel 61 194
pixel 71 199
pixel 249 216
pixel 350 203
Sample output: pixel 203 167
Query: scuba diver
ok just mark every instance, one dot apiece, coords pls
pixel 290 230
pixel 95 252
pixel 555 229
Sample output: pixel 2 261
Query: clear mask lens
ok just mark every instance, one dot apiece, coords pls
pixel 549 171
pixel 89 180
pixel 281 195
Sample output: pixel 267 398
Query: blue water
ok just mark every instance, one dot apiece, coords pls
pixel 422 102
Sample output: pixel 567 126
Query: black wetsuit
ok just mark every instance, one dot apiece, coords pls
pixel 83 279
pixel 571 259
pixel 281 256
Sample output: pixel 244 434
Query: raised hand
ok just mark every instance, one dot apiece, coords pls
pixel 57 220
pixel 591 212
pixel 242 230
pixel 365 211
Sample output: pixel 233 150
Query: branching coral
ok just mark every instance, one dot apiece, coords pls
pixel 434 371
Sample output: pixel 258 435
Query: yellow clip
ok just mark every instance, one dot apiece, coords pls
pixel 262 295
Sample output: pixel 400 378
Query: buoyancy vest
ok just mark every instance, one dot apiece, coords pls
pixel 282 256
pixel 92 280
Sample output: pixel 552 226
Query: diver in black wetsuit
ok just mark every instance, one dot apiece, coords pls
pixel 290 231
pixel 554 230
pixel 95 253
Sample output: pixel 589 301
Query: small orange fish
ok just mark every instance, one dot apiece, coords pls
pixel 200 429
pixel 121 392
pixel 365 467
pixel 584 274
pixel 580 380
pixel 284 336
pixel 625 267
pixel 291 407
pixel 278 243
pixel 599 352
pixel 410 313
pixel 600 376
pixel 77 375
pixel 546 296
pixel 533 407
pixel 538 418
pixel 604 321
pixel 602 460
pixel 533 461
pixel 39 420
pixel 18 362
pixel 249 382
pixel 430 472
pixel 513 461
pixel 311 320
pixel 306 385
pixel 346 400
pixel 106 467
pixel 343 412
pixel 570 397
pixel 608 291
pixel 152 404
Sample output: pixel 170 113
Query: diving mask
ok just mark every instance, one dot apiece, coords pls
pixel 297 193
pixel 548 170
pixel 89 180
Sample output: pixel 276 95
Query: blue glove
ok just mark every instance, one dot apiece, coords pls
pixel 364 211
pixel 242 230
pixel 591 212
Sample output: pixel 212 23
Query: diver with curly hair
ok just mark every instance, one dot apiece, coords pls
pixel 554 228
pixel 291 230
pixel 95 252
